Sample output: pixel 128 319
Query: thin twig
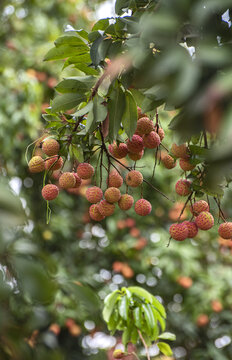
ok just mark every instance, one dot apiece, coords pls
pixel 185 204
pixel 144 344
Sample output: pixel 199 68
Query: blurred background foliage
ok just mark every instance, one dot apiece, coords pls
pixel 54 277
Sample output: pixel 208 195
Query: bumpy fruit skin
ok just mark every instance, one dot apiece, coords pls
pixel 180 151
pixel 183 187
pixel 95 214
pixel 152 140
pixel 94 194
pixel 85 171
pixel 78 181
pixel 137 156
pixel 199 206
pixel 118 354
pixel 168 161
pixel 126 202
pixel 179 232
pixel 50 147
pixel 105 208
pixel 118 151
pixel 114 179
pixel 205 220
pixel 36 164
pixel 50 192
pixel 225 230
pixel 112 195
pixel 192 229
pixel 135 145
pixel 143 207
pixel 161 133
pixel 185 165
pixel 144 126
pixel 54 163
pixel 134 178
pixel 67 180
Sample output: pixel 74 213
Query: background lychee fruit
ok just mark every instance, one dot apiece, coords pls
pixel 106 208
pixel 67 180
pixel 205 220
pixel 144 126
pixel 112 195
pixel 192 229
pixel 179 232
pixel 94 194
pixel 50 147
pixel 114 179
pixel 225 230
pixel 168 161
pixel 126 202
pixel 85 170
pixel 180 151
pixel 199 206
pixel 118 151
pixel 202 320
pixel 152 140
pixel 143 207
pixel 140 113
pixel 78 181
pixel 94 213
pixel 137 156
pixel 54 163
pixel 134 178
pixel 36 164
pixel 135 145
pixel 186 165
pixel 183 187
pixel 118 354
pixel 50 192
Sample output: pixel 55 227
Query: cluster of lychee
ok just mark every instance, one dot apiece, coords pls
pixel 180 152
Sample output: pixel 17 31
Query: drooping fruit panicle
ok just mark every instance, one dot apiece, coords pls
pixel 106 208
pixel 36 164
pixel 78 181
pixel 144 126
pixel 95 214
pixel 53 163
pixel 135 145
pixel 152 140
pixel 118 151
pixel 168 161
pixel 225 230
pixel 186 165
pixel 50 192
pixel 143 207
pixel 205 220
pixel 183 187
pixel 180 151
pixel 126 202
pixel 137 156
pixel 94 194
pixel 112 195
pixel 199 206
pixel 179 231
pixel 114 179
pixel 134 178
pixel 192 229
pixel 67 180
pixel 85 171
pixel 50 146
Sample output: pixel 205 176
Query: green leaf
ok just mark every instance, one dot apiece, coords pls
pixel 149 317
pixel 76 84
pixel 86 69
pixel 116 109
pixel 82 33
pixel 84 110
pixel 165 348
pixel 125 337
pixel 130 116
pixel 90 122
pixel 82 58
pixel 160 319
pixel 121 4
pixel 137 313
pixel 77 152
pixel 123 307
pixel 167 336
pixel 134 336
pixel 109 302
pixel 70 40
pixel 159 306
pixel 64 51
pixel 142 293
pixel 94 51
pixel 67 101
pixel 101 24
pixel 99 109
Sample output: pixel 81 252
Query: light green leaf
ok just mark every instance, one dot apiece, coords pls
pixel 109 302
pixel 86 69
pixel 67 101
pixel 70 40
pixel 125 337
pixel 63 52
pixel 130 116
pixel 99 109
pixel 84 110
pixel 149 317
pixel 116 109
pixel 123 307
pixel 165 348
pixel 159 306
pixel 167 336
pixel 77 152
pixel 137 313
pixel 142 293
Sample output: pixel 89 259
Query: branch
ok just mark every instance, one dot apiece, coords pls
pixel 145 345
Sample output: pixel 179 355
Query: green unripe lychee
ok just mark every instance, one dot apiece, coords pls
pixel 36 164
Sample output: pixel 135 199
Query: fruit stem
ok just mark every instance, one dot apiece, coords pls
pixel 185 204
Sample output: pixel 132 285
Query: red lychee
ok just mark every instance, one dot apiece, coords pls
pixel 50 147
pixel 85 171
pixel 54 163
pixel 186 165
pixel 94 194
pixel 135 145
pixel 205 220
pixel 78 181
pixel 168 161
pixel 180 151
pixel 50 192
pixel 183 187
pixel 105 208
pixel 126 202
pixel 179 232
pixel 67 180
pixel 161 133
pixel 143 207
pixel 199 206
pixel 114 179
pixel 137 156
pixel 94 213
pixel 134 178
pixel 192 229
pixel 36 164
pixel 225 230
pixel 152 140
pixel 112 195
pixel 144 126
pixel 118 151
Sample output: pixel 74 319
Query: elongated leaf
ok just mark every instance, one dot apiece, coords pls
pixel 121 4
pixel 123 307
pixel 109 302
pixel 134 336
pixel 84 110
pixel 77 152
pixel 82 58
pixel 70 40
pixel 76 84
pixel 86 69
pixel 165 348
pixel 99 109
pixel 94 51
pixel 67 101
pixel 137 313
pixel 130 116
pixel 149 317
pixel 167 336
pixel 142 293
pixel 159 318
pixel 90 122
pixel 64 51
pixel 116 109
pixel 125 337
pixel 159 306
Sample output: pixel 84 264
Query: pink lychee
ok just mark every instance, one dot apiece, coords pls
pixel 50 192
pixel 50 147
pixel 85 171
pixel 134 178
pixel 94 213
pixel 112 195
pixel 135 145
pixel 114 179
pixel 106 208
pixel 67 180
pixel 126 202
pixel 152 140
pixel 143 207
pixel 205 220
pixel 225 230
pixel 94 194
pixel 183 187
pixel 179 231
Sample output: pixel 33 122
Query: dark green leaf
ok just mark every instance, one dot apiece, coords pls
pixel 64 51
pixel 99 109
pixel 94 51
pixel 67 101
pixel 130 116
pixel 116 109
pixel 76 84
pixel 69 40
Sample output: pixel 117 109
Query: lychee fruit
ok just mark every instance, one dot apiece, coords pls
pixel 112 195
pixel 136 157
pixel 54 163
pixel 183 187
pixel 36 164
pixel 199 206
pixel 216 306
pixel 161 133
pixel 134 178
pixel 144 126
pixel 135 145
pixel 192 229
pixel 78 181
pixel 202 320
pixel 50 192
pixel 105 208
pixel 225 230
pixel 152 140
pixel 94 213
pixel 85 171
pixel 180 151
pixel 186 165
pixel 140 113
pixel 67 180
pixel 179 231
pixel 94 194
pixel 126 202
pixel 118 354
pixel 205 220
pixel 114 179
pixel 50 147
pixel 185 281
pixel 143 207
pixel 118 151
pixel 168 161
